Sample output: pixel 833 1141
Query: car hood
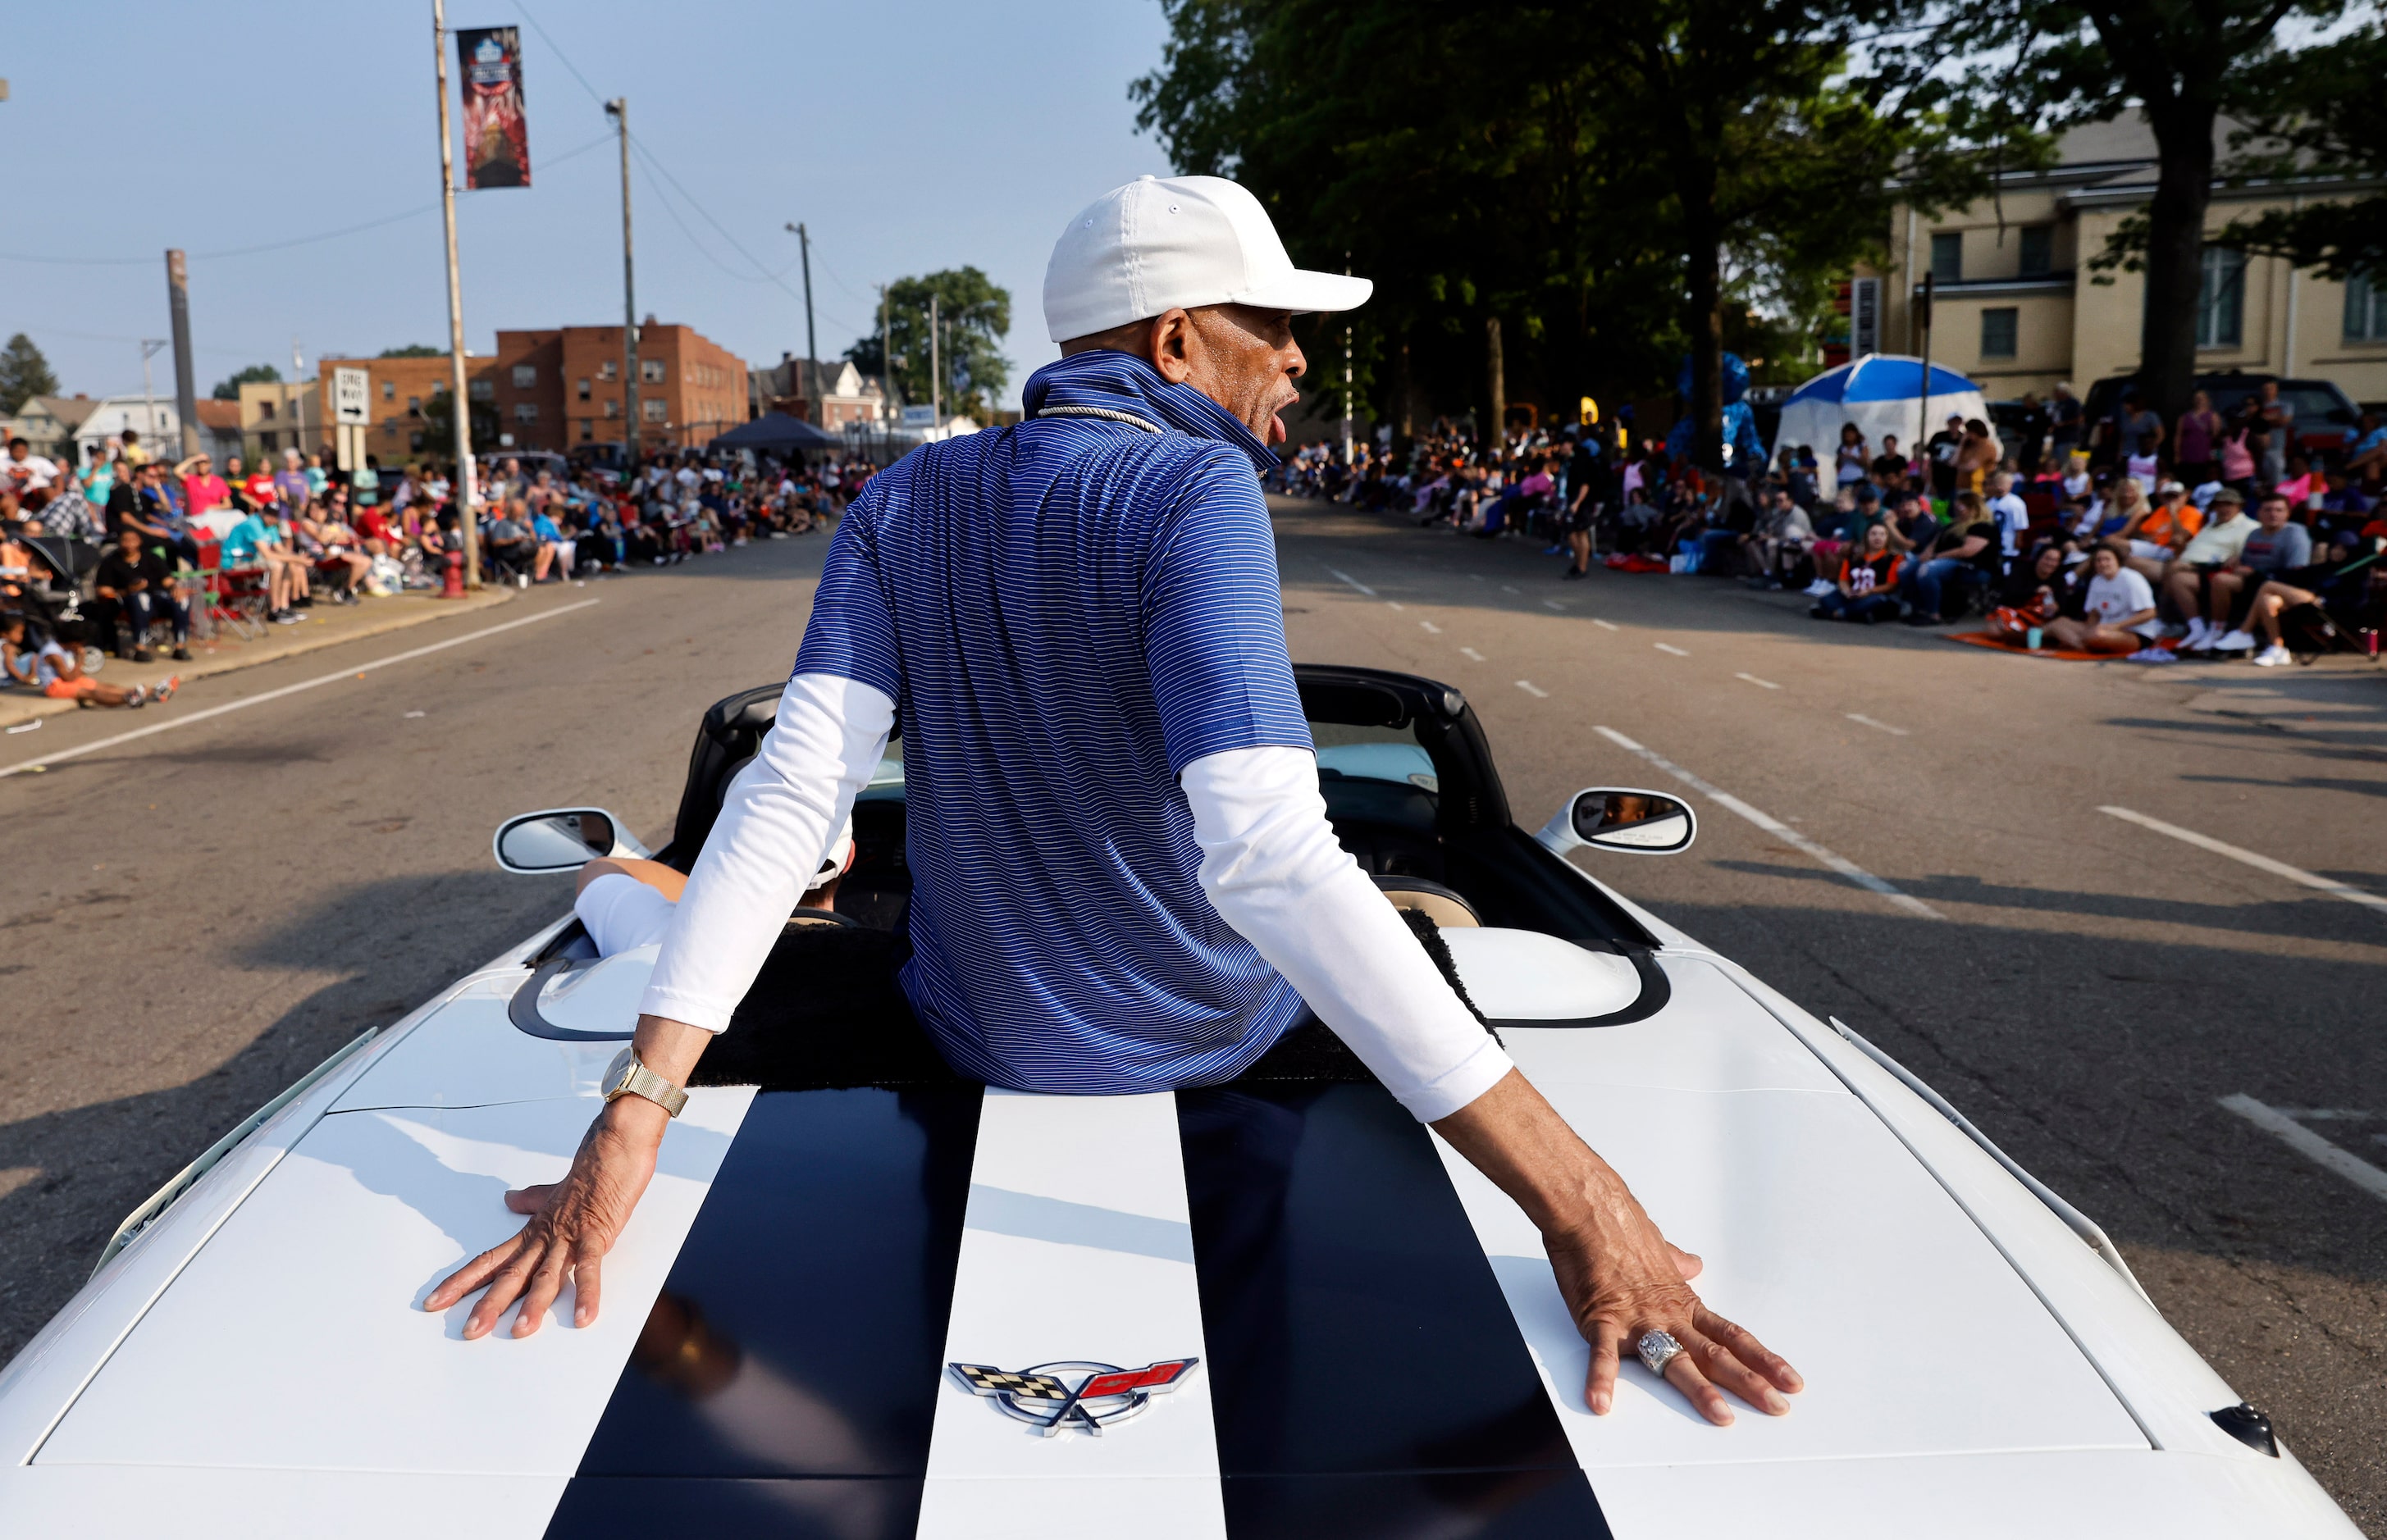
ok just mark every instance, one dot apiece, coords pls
pixel 1370 1316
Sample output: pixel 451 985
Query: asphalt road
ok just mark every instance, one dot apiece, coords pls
pixel 199 915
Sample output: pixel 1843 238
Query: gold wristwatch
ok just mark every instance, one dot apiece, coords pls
pixel 626 1076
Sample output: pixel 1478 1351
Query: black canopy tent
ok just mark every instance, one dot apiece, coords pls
pixel 776 433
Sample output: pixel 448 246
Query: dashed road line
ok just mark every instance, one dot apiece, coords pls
pixel 1675 651
pixel 1554 605
pixel 1346 577
pixel 1761 684
pixel 1395 604
pixel 2306 1142
pixel 1431 626
pixel 1777 828
pixel 1536 691
pixel 1477 656
pixel 1880 727
pixel 2330 886
pixel 1604 625
pixel 356 671
pixel 1506 590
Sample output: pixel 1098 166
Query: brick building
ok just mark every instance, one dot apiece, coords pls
pixel 397 389
pixel 557 388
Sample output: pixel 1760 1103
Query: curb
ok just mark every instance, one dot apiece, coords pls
pixel 18 707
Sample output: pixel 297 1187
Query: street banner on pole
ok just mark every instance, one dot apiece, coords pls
pixel 497 141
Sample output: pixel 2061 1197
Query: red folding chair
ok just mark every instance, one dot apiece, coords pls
pixel 237 596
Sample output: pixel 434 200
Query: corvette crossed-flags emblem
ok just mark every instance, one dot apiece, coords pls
pixel 1042 1396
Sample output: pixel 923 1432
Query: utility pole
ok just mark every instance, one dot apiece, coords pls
pixel 886 376
pixel 298 369
pixel 1923 389
pixel 467 493
pixel 186 388
pixel 150 348
pixel 936 372
pixel 1347 375
pixel 804 241
pixel 619 111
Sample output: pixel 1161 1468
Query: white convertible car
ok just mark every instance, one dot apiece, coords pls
pixel 864 1298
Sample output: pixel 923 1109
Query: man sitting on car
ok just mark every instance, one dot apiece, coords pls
pixel 1123 877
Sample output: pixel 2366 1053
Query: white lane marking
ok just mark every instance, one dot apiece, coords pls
pixel 1604 625
pixel 1557 603
pixel 1881 726
pixel 2260 862
pixel 1431 626
pixel 356 671
pixel 1675 651
pixel 1477 656
pixel 1506 590
pixel 1761 684
pixel 1395 604
pixel 2306 1142
pixel 1536 691
pixel 1346 577
pixel 1775 827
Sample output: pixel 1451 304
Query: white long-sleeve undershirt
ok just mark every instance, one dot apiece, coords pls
pixel 1271 866
pixel 1273 870
pixel 775 825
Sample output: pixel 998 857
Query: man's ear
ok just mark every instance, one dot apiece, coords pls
pixel 1173 344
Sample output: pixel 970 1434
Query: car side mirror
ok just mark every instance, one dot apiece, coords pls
pixel 1621 818
pixel 562 839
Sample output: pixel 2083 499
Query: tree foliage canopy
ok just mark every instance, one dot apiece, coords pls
pixel 24 373
pixel 414 351
pixel 1611 188
pixel 973 315
pixel 2185 65
pixel 229 389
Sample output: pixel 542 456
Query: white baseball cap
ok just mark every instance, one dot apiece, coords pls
pixel 1159 242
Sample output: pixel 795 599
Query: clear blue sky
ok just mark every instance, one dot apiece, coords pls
pixel 908 136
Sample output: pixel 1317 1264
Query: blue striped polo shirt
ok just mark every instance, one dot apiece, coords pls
pixel 1066 613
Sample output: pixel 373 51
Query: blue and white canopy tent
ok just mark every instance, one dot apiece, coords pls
pixel 1881 393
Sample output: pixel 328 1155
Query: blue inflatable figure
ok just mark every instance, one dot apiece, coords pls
pixel 1743 453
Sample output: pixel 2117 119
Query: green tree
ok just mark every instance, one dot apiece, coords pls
pixel 2320 112
pixel 2184 64
pixel 24 374
pixel 260 373
pixel 1560 193
pixel 414 351
pixel 973 316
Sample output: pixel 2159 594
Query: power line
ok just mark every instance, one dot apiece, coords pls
pixel 275 245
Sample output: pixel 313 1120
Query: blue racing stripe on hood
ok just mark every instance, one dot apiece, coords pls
pixel 790 1368
pixel 1366 1375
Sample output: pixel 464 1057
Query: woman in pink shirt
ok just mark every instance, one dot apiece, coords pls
pixel 202 488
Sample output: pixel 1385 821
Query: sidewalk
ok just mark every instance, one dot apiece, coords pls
pixel 326 625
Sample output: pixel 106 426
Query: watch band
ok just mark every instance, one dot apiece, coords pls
pixel 626 1076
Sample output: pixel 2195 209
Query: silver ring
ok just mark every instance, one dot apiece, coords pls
pixel 1657 1349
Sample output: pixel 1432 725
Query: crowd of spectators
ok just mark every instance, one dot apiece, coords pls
pixel 2219 537
pixel 125 553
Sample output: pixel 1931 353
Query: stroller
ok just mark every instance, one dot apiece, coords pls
pixel 55 604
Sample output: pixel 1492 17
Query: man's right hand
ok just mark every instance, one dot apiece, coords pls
pixel 572 1224
pixel 575 1222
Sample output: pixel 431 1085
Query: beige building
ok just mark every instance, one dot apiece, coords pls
pixel 282 414
pixel 2017 310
